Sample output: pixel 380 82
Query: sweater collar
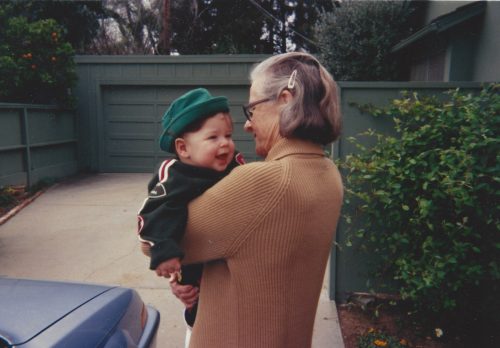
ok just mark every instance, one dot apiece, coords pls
pixel 195 171
pixel 287 147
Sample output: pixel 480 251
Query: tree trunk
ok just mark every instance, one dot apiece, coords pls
pixel 164 44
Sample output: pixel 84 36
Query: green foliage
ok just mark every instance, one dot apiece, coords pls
pixel 36 63
pixel 427 201
pixel 356 39
pixel 79 18
pixel 376 339
pixel 7 197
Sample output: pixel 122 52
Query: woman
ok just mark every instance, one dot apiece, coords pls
pixel 266 230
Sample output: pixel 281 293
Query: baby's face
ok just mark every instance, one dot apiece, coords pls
pixel 212 145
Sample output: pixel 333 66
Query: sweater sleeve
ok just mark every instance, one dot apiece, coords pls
pixel 221 219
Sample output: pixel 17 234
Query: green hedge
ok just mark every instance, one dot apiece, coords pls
pixel 427 200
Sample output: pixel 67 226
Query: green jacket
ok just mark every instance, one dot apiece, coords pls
pixel 163 215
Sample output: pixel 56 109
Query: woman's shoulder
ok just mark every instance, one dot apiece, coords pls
pixel 258 175
pixel 259 168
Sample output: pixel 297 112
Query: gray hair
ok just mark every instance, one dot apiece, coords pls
pixel 314 113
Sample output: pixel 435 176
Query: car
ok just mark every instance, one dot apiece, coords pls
pixel 43 314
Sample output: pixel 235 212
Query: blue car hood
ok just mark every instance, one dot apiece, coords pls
pixel 28 307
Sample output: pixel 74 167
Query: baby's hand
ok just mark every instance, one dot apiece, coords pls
pixel 146 249
pixel 171 267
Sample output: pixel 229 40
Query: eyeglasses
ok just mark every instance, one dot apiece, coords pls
pixel 246 108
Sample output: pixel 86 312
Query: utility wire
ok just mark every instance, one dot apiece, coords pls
pixel 269 15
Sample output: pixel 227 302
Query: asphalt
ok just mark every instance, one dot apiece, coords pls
pixel 83 229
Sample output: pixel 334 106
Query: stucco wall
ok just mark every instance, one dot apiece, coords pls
pixel 483 65
pixel 439 8
pixel 487 66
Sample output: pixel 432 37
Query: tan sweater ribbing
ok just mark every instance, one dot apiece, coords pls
pixel 266 231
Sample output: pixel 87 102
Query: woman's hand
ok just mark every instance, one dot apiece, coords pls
pixel 188 294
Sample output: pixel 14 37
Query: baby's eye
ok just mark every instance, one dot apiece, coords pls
pixel 229 136
pixel 212 137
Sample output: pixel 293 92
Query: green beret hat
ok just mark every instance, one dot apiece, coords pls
pixel 188 108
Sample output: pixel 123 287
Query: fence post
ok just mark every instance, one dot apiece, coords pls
pixel 26 140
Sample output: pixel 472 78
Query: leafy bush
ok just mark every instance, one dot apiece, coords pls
pixel 36 63
pixel 428 201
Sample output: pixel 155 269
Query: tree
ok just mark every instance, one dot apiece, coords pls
pixel 164 40
pixel 215 26
pixel 207 26
pixel 289 25
pixel 244 26
pixel 36 60
pixel 306 15
pixel 80 19
pixel 355 39
pixel 128 27
pixel 181 26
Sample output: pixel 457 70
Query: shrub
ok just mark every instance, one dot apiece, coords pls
pixel 428 201
pixel 36 63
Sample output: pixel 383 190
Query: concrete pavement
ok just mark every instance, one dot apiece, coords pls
pixel 83 229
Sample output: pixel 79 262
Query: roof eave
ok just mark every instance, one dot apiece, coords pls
pixel 443 23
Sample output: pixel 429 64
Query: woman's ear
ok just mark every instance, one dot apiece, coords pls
pixel 181 148
pixel 286 96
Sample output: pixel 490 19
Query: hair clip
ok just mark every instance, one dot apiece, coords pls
pixel 291 80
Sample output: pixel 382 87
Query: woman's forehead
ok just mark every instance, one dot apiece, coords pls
pixel 255 88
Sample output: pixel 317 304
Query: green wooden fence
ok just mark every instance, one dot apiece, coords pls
pixel 36 142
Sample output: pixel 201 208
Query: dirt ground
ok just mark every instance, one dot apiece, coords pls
pixel 11 198
pixel 364 314
pixel 356 321
pixel 15 198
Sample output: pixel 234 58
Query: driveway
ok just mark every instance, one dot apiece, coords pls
pixel 84 229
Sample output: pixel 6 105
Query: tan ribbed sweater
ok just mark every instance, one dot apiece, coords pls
pixel 266 231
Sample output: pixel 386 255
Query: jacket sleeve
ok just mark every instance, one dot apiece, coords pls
pixel 162 218
pixel 221 219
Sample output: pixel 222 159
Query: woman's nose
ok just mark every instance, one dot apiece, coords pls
pixel 247 127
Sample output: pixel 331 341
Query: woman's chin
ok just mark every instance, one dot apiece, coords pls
pixel 261 152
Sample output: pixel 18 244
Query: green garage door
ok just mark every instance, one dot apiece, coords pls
pixel 131 124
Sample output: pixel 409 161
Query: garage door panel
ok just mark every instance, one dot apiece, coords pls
pixel 132 124
pixel 141 129
pixel 130 146
pixel 138 112
pixel 233 93
pixel 167 94
pixel 161 109
pixel 238 130
pixel 129 93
